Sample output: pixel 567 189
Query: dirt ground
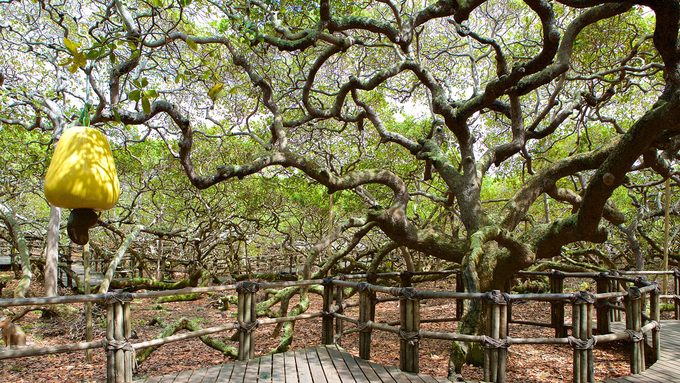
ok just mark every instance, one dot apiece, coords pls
pixel 541 363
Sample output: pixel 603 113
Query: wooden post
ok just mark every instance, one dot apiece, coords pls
pixel 460 288
pixel 655 315
pixel 557 307
pixel 633 304
pixel 88 305
pixel 409 333
pixel 614 286
pixel 603 320
pixel 110 354
pixel 339 300
pixel 119 359
pixel 327 321
pixel 676 272
pixel 495 348
pixel 582 337
pixel 247 319
pixel 365 311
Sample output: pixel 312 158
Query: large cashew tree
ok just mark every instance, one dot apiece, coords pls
pixel 455 123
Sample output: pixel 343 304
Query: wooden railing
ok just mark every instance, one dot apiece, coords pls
pixel 615 293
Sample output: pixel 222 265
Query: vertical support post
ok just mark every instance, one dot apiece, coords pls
pixel 247 319
pixel 495 347
pixel 655 315
pixel 127 333
pixel 365 311
pixel 557 307
pixel 409 333
pixel 676 273
pixel 582 337
pixel 339 301
pixel 88 305
pixel 119 359
pixel 110 354
pixel 614 286
pixel 460 288
pixel 633 303
pixel 603 316
pixel 327 321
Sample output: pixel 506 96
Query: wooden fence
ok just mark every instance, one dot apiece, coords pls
pixel 615 293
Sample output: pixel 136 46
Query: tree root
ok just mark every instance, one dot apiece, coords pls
pixel 187 324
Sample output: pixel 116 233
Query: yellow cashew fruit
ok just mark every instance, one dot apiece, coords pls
pixel 82 174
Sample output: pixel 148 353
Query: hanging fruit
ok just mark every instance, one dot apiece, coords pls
pixel 82 176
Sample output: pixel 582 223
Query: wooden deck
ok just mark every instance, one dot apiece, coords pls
pixel 320 364
pixel 331 364
pixel 667 368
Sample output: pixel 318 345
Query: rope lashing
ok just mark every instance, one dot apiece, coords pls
pixel 409 293
pixel 246 327
pixel 116 345
pixel 634 293
pixel 327 314
pixel 581 297
pixel 635 336
pixel 490 342
pixel 117 296
pixel 248 287
pixel 363 287
pixel 580 344
pixel 364 326
pixel 327 281
pixel 496 297
pixel 395 291
pixel 412 337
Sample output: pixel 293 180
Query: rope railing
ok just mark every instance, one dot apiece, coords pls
pixel 615 294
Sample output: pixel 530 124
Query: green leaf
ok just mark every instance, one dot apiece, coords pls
pixel 145 82
pixel 185 3
pixel 158 3
pixel 93 55
pixel 192 44
pixel 116 115
pixel 73 68
pixel 146 105
pixel 66 61
pixel 152 93
pixel 134 95
pixel 71 46
pixel 216 91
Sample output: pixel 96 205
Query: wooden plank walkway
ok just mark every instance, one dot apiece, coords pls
pixel 667 368
pixel 320 364
pixel 331 364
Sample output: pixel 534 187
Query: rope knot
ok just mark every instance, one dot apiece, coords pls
pixel 580 344
pixel 635 336
pixel 363 287
pixel 247 327
pixel 496 297
pixel 117 296
pixel 581 297
pixel 490 342
pixel 409 293
pixel 248 287
pixel 412 337
pixel 327 281
pixel 364 326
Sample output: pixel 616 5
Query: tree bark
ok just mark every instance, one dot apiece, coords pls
pixel 104 286
pixel 17 235
pixel 52 252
